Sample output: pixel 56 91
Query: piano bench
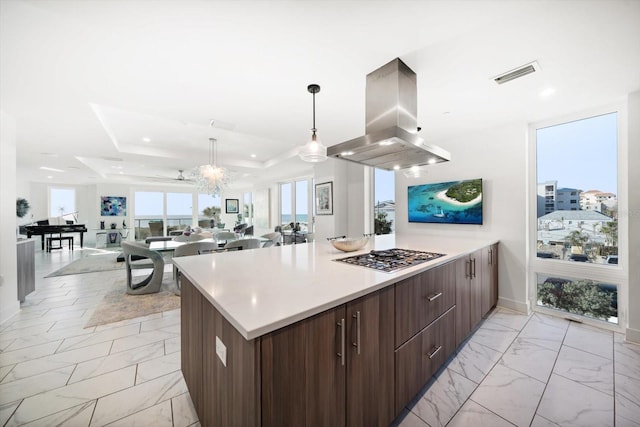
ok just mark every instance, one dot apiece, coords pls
pixel 59 239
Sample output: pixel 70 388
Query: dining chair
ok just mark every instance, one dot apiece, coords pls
pixel 194 237
pixel 274 239
pixel 192 248
pixel 223 237
pixel 243 244
pixel 150 259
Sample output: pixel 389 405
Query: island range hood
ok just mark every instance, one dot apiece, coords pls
pixel 391 138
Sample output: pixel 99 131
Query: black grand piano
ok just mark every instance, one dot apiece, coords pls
pixel 44 228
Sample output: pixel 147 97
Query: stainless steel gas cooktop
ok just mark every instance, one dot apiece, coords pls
pixel 390 260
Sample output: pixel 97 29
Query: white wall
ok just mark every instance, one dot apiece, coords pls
pixel 9 304
pixel 633 328
pixel 498 156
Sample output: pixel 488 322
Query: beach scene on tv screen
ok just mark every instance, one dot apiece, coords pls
pixel 455 202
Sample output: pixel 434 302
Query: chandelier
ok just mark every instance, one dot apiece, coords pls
pixel 210 178
pixel 313 151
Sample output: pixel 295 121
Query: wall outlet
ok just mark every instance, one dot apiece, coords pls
pixel 221 351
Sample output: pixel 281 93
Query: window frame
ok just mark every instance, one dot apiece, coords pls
pixel 617 274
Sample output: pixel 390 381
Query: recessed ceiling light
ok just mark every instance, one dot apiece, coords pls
pixel 346 153
pixel 253 156
pixel 547 92
pixel 46 168
pixel 415 168
pixel 146 139
pixel 431 161
pixel 396 167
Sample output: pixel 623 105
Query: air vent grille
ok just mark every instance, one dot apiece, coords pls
pixel 517 73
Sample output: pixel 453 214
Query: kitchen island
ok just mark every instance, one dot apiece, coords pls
pixel 287 336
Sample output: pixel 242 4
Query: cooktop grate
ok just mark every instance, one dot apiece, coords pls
pixel 390 260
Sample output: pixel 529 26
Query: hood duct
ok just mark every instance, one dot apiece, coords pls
pixel 391 138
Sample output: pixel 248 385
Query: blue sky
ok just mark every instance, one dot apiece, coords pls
pixel 580 154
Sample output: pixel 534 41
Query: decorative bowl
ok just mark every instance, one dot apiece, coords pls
pixel 349 244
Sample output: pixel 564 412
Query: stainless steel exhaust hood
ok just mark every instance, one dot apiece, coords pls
pixel 390 140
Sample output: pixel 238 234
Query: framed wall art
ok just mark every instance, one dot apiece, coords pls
pixel 113 206
pixel 454 202
pixel 324 198
pixel 232 206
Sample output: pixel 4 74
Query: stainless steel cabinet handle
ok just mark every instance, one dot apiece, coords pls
pixel 474 268
pixel 434 296
pixel 357 343
pixel 434 352
pixel 341 355
pixel 467 268
pixel 490 256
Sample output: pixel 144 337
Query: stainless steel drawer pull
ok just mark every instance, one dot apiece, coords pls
pixel 341 355
pixel 434 296
pixel 434 352
pixel 357 343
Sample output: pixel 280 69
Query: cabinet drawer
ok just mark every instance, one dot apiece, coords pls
pixel 423 298
pixel 419 358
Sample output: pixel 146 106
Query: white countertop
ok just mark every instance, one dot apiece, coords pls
pixel 261 290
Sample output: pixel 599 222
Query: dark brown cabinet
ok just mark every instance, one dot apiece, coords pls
pixel 191 341
pixel 423 298
pixel 419 358
pixel 489 278
pixel 357 364
pixel 333 369
pixel 476 289
pixel 26 268
pixel 303 378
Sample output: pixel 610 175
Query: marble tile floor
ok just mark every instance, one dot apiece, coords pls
pixel 53 371
pixel 537 371
pixel 515 370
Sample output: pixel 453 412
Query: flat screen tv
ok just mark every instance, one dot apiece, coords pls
pixel 455 202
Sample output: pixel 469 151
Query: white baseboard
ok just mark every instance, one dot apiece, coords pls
pixel 517 306
pixel 632 335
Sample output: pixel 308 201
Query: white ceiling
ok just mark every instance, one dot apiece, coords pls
pixel 87 80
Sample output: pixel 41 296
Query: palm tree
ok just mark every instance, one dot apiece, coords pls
pixel 610 231
pixel 577 238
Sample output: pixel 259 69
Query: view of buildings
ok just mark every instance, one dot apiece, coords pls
pixel 572 221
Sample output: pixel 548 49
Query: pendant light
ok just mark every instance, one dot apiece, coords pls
pixel 211 178
pixel 313 151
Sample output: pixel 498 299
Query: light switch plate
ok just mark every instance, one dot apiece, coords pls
pixel 221 351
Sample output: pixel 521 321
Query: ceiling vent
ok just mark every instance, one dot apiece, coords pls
pixel 517 73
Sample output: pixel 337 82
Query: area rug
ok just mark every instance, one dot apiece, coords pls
pixel 90 264
pixel 118 305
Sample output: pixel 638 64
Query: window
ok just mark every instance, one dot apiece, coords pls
pixel 583 155
pixel 149 206
pixel 179 211
pixel 209 208
pixel 285 203
pixel 295 205
pixel 384 209
pixel 576 242
pixel 247 208
pixel 62 202
pixel 302 203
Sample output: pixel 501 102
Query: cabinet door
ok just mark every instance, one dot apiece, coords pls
pixel 463 298
pixel 489 278
pixel 303 372
pixel 370 360
pixel 475 287
pixel 191 341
